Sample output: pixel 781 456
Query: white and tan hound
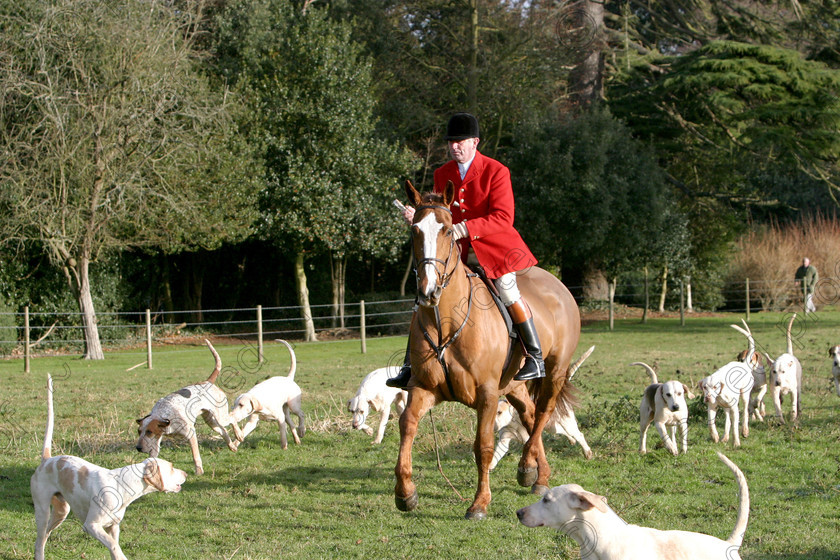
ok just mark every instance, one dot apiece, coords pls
pixel 177 413
pixel 98 497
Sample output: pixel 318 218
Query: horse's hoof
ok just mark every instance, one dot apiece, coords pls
pixel 476 515
pixel 407 504
pixel 539 489
pixel 526 477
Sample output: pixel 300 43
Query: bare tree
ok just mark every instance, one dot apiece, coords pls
pixel 108 134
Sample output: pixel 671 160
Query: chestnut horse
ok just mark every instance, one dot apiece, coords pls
pixel 460 351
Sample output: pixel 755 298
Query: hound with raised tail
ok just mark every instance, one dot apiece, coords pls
pixel 725 388
pixel 834 352
pixel 98 496
pixel 756 364
pixel 177 413
pixel 374 394
pixel 664 405
pixel 510 427
pixel 273 399
pixel 786 378
pixel 603 535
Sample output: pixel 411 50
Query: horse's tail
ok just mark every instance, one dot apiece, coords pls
pixel 567 398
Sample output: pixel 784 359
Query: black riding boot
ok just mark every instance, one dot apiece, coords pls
pixel 401 380
pixel 523 322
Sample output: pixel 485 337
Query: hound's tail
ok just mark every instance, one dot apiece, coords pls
pixel 652 373
pixel 737 536
pixel 748 333
pixel 215 374
pixel 789 339
pixel 46 452
pixel 575 366
pixel 293 366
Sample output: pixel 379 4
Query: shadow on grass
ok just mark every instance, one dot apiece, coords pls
pixel 325 479
pixel 816 554
pixel 14 489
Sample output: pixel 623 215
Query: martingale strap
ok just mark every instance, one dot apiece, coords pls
pixel 440 347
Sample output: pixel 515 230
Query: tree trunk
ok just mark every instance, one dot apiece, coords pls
pixel 647 297
pixel 303 299
pixel 472 71
pixel 584 33
pixel 166 285
pixel 338 275
pixel 197 275
pixel 595 285
pixel 612 303
pixel 79 278
pixel 664 290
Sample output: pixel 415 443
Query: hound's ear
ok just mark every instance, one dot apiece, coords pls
pixel 140 420
pixel 255 403
pixel 152 476
pixel 448 193
pixel 700 385
pixel 412 194
pixel 688 392
pixel 165 422
pixel 585 501
pixel 721 386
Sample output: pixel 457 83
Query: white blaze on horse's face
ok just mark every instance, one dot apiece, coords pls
pixel 428 229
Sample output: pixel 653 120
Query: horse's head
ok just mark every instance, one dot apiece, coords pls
pixel 435 252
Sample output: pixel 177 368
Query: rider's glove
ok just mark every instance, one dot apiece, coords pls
pixel 459 231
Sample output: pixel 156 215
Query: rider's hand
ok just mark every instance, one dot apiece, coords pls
pixel 459 231
pixel 408 214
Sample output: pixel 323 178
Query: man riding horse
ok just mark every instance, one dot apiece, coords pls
pixel 483 223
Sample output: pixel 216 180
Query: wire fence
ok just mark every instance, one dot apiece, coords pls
pixel 62 333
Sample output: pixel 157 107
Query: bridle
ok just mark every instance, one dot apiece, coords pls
pixel 444 277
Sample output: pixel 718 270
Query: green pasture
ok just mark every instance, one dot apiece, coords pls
pixel 332 496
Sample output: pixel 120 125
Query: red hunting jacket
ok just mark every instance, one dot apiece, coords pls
pixel 485 199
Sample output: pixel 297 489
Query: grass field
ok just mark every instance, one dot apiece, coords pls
pixel 332 496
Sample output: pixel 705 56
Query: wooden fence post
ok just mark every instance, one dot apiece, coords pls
pixel 612 303
pixel 362 332
pixel 148 339
pixel 26 348
pixel 260 357
pixel 748 299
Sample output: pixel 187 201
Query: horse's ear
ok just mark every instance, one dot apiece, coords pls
pixel 448 193
pixel 411 192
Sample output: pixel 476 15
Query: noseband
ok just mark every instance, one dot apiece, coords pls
pixel 442 277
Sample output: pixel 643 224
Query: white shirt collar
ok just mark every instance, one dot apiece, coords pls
pixel 464 167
